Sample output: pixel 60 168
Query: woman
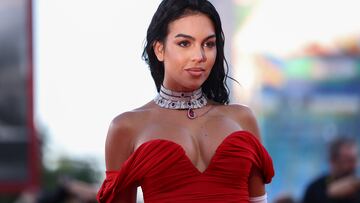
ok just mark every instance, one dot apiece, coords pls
pixel 188 144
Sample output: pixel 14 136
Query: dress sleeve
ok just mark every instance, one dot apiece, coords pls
pixel 260 158
pixel 149 159
pixel 107 186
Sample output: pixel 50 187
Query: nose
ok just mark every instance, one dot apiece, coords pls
pixel 199 54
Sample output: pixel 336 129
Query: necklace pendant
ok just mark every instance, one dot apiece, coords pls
pixel 191 113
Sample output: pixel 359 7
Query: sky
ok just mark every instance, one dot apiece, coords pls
pixel 88 69
pixel 283 26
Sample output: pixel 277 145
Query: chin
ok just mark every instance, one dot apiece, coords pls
pixel 194 85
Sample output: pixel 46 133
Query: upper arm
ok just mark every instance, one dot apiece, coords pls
pixel 118 148
pixel 246 119
pixel 119 142
pixel 256 183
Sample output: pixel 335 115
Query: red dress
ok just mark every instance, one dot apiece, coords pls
pixel 166 174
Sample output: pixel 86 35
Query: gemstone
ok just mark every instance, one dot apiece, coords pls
pixel 191 114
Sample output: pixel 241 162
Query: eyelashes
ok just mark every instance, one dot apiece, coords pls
pixel 185 43
pixel 210 44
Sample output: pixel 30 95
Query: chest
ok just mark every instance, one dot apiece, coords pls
pixel 199 137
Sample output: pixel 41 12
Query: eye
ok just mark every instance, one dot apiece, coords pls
pixel 184 43
pixel 210 44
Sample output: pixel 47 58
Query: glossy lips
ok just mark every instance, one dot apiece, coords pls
pixel 195 72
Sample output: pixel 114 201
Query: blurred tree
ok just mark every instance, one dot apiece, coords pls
pixel 82 170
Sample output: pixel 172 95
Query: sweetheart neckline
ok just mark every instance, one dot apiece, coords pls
pixel 184 152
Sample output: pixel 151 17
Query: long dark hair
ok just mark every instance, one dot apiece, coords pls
pixel 214 87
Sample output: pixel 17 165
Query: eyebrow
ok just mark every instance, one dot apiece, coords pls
pixel 192 38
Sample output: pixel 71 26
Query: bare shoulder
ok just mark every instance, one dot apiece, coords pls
pixel 121 137
pixel 244 116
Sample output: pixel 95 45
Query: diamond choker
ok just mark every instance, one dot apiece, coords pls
pixel 181 100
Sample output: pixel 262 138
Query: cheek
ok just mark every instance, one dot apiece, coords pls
pixel 174 58
pixel 211 58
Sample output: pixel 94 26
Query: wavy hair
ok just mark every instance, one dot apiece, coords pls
pixel 214 87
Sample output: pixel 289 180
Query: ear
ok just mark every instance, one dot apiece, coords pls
pixel 159 50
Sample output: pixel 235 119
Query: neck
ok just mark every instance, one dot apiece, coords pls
pixel 170 85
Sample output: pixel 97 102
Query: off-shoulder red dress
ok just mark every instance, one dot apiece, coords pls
pixel 166 174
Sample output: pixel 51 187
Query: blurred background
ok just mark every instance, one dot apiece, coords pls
pixel 66 68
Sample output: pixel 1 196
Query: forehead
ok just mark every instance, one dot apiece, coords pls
pixel 193 24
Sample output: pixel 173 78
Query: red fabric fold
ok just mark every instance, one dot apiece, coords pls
pixel 165 173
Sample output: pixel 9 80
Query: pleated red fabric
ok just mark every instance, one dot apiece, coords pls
pixel 166 174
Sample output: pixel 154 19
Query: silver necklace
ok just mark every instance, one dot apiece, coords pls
pixel 181 100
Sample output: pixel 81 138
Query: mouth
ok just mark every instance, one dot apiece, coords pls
pixel 195 72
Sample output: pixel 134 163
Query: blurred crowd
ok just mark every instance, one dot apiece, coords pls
pixel 341 184
pixel 66 191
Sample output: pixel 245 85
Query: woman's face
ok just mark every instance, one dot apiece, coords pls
pixel 188 53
